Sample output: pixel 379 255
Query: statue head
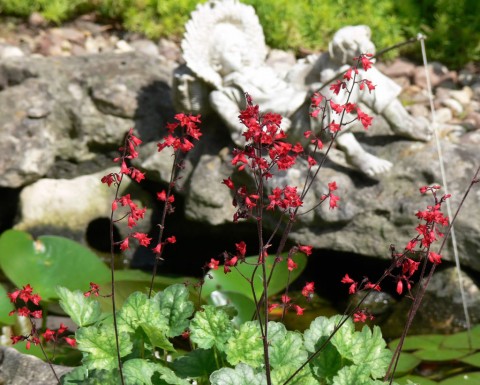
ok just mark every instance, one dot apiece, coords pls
pixel 229 51
pixel 350 42
pixel 221 37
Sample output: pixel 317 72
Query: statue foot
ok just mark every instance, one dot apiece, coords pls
pixel 369 164
pixel 357 157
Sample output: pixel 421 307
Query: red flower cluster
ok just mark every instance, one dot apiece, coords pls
pixel 349 81
pixel 308 290
pixel 128 151
pixel 266 149
pixel 434 221
pixel 286 304
pixel 358 286
pixel 181 136
pixel 94 290
pixel 27 296
pixel 55 335
pixel 213 264
pixel 416 249
pixel 333 199
pixel 285 198
pixel 188 124
pixel 362 316
pixel 291 265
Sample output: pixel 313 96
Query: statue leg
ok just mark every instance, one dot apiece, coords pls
pixel 404 124
pixel 359 158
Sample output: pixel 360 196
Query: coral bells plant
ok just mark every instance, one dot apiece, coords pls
pixel 259 351
pixel 137 343
pixel 24 300
pixel 417 257
pixel 180 136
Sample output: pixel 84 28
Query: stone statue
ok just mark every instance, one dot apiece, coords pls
pixel 318 72
pixel 225 52
pixel 224 48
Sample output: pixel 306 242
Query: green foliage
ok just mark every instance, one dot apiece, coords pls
pixel 53 10
pixel 233 288
pixel 462 379
pixel 223 354
pixel 311 24
pixel 128 281
pixel 195 364
pixel 97 343
pixel 415 380
pixel 235 282
pixel 6 307
pixel 439 350
pixel 176 308
pixel 82 311
pixel 246 346
pixel 451 26
pixel 48 262
pixel 242 374
pixel 211 328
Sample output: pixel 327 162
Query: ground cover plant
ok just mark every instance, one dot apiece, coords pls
pixel 140 342
pixel 451 27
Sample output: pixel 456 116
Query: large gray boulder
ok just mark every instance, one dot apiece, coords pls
pixel 372 215
pixel 75 108
pixel 68 206
pixel 22 369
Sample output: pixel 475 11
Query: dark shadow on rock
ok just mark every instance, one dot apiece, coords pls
pixel 155 109
pixel 377 140
pixel 8 210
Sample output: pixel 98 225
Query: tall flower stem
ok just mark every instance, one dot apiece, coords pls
pixel 112 274
pixel 161 226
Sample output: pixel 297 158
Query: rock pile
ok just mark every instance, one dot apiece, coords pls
pixel 69 94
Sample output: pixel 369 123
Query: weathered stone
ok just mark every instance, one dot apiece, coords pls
pixel 443 115
pixel 68 206
pixel 476 90
pixel 10 51
pixel 399 68
pixel 169 50
pixel 28 131
pixel 371 216
pixel 97 44
pixel 158 165
pixel 473 120
pixel 85 105
pixel 122 46
pixel 438 73
pixel 453 104
pixel 37 20
pixel 112 96
pixel 147 47
pixel 402 81
pixel 70 34
pixel 418 110
pixel 468 75
pixel 464 96
pixel 207 199
pixel 22 369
